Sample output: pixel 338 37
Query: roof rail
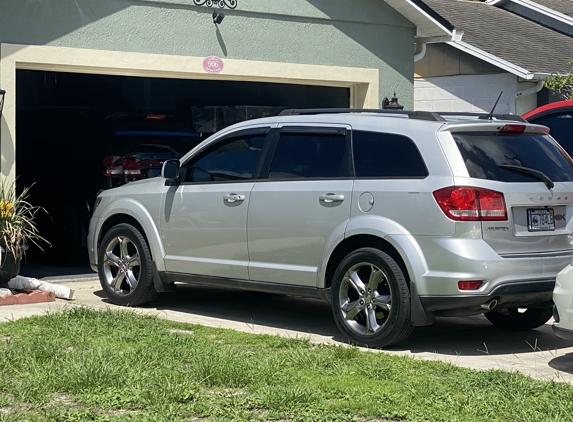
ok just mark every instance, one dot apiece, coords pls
pixel 435 116
pixel 420 115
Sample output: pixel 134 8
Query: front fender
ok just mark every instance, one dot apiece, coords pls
pixel 135 210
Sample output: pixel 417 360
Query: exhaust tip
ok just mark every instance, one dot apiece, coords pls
pixel 488 306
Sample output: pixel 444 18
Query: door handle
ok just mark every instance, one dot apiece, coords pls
pixel 233 197
pixel 331 197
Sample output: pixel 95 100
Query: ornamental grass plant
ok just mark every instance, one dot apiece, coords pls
pixel 17 227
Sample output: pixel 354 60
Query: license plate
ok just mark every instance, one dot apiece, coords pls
pixel 541 219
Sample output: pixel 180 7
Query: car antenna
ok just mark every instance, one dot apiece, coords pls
pixel 490 115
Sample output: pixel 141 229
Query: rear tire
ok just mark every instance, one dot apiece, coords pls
pixel 125 267
pixel 513 319
pixel 371 299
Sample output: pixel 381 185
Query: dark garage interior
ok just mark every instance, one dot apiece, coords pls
pixel 68 123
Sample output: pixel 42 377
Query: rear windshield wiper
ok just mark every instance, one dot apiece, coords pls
pixel 532 172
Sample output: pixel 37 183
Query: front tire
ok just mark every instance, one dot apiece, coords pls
pixel 125 270
pixel 371 299
pixel 516 320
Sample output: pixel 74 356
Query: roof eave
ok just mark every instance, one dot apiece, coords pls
pixel 431 27
pixel 454 36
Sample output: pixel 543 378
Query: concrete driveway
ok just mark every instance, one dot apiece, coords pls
pixel 470 342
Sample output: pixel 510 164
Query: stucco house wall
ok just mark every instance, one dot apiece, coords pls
pixel 363 33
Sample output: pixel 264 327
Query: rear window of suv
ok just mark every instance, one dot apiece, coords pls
pixel 486 154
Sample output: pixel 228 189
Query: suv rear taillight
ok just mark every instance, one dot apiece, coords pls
pixel 118 166
pixel 464 203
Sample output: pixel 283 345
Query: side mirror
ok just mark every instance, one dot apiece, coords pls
pixel 170 170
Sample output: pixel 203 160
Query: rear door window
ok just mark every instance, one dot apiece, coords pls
pixel 310 155
pixel 385 155
pixel 483 155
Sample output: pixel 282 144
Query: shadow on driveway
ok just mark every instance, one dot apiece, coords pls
pixel 563 363
pixel 468 336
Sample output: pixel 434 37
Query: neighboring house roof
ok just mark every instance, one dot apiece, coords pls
pixel 556 14
pixel 562 6
pixel 505 39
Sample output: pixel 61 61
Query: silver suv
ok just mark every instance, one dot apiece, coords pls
pixel 392 217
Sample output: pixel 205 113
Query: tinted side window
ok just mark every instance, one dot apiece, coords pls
pixel 386 155
pixel 300 155
pixel 233 159
pixel 561 126
pixel 483 155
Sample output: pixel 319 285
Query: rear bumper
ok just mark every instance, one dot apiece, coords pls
pixel 511 295
pixel 446 261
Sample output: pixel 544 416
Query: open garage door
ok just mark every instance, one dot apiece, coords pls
pixel 69 125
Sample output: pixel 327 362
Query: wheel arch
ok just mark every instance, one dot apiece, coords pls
pixel 403 249
pixel 147 229
pixel 353 243
pixel 116 219
pixel 378 232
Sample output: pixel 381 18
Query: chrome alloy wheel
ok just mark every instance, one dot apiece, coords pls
pixel 121 265
pixel 365 298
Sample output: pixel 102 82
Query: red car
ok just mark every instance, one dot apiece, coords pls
pixel 558 117
pixel 138 144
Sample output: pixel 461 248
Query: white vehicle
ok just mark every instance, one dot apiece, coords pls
pixel 563 308
pixel 392 217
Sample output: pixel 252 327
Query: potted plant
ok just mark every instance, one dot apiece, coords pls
pixel 17 229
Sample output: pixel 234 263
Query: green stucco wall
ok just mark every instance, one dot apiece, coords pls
pixel 357 33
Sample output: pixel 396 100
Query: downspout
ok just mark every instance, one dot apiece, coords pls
pixel 419 51
pixel 528 91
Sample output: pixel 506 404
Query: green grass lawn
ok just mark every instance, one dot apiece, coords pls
pixel 82 364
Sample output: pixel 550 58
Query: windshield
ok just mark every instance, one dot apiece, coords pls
pixel 483 155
